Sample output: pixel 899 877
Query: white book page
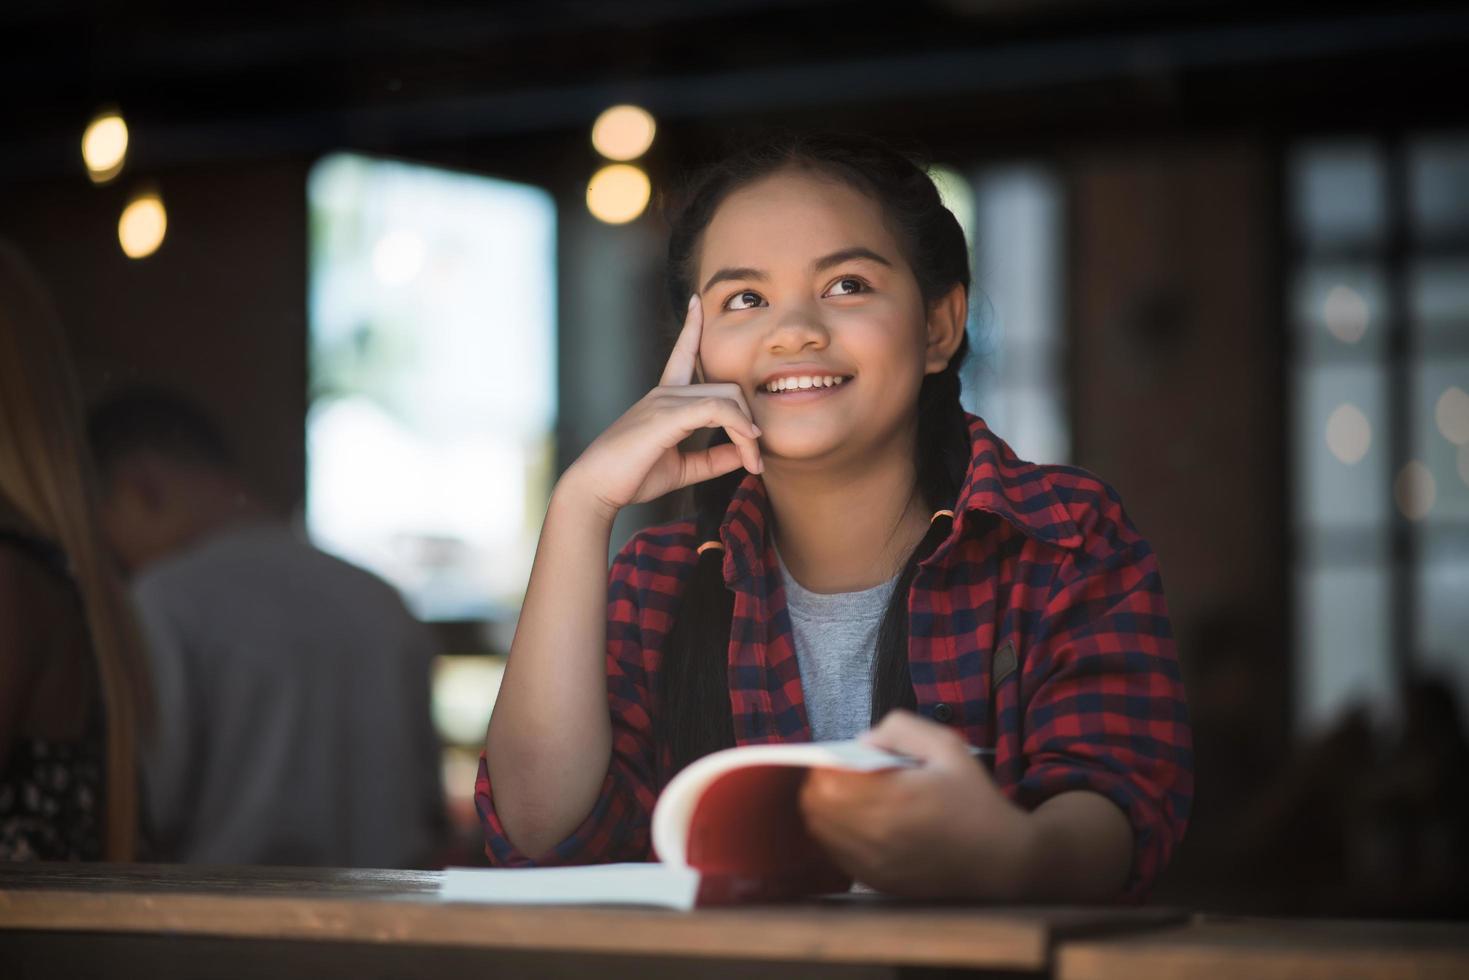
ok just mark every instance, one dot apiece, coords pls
pixel 594 884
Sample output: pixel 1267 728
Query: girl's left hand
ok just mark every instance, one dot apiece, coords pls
pixel 939 830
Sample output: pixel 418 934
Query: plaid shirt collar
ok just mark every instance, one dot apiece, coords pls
pixel 997 482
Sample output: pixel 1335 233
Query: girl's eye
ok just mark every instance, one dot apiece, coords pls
pixel 848 286
pixel 743 301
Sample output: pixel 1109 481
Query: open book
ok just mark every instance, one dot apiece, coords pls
pixel 726 829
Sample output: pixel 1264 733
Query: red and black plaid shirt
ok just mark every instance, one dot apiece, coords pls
pixel 1037 627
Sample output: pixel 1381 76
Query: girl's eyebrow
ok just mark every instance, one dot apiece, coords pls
pixel 847 255
pixel 823 263
pixel 741 272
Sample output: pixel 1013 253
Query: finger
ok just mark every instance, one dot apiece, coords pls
pixel 909 734
pixel 709 463
pixel 723 389
pixel 844 803
pixel 680 367
pixel 749 452
pixel 837 787
pixel 740 452
pixel 823 815
pixel 839 836
pixel 845 851
pixel 749 448
pixel 713 411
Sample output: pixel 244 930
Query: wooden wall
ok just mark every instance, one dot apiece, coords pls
pixel 218 312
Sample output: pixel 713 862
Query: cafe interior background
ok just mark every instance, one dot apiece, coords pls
pixel 1220 251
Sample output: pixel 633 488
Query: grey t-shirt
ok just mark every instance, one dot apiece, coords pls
pixel 293 709
pixel 835 635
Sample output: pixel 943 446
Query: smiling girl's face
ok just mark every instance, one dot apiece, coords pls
pixel 806 291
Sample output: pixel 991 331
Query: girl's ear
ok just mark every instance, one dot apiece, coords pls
pixel 946 321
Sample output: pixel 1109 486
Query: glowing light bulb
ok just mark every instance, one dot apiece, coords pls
pixel 623 132
pixel 142 226
pixel 618 193
pixel 105 146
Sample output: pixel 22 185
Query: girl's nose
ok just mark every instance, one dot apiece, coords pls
pixel 795 329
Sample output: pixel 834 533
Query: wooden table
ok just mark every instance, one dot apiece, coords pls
pixel 1219 948
pixel 171 920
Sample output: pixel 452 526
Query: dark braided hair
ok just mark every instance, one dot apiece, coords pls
pixel 694 716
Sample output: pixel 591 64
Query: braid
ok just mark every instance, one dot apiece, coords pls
pixel 942 457
pixel 692 672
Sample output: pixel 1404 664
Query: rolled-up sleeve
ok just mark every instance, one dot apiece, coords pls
pixel 1105 708
pixel 617 828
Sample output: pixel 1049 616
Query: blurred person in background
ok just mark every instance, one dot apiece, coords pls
pixel 74 691
pixel 293 688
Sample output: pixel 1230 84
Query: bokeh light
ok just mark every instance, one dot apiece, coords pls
pixel 618 193
pixel 105 146
pixel 623 132
pixel 1452 415
pixel 1348 433
pixel 1345 313
pixel 1415 490
pixel 142 226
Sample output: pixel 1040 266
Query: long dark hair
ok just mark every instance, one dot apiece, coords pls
pixel 694 716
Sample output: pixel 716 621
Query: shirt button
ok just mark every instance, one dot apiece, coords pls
pixel 942 713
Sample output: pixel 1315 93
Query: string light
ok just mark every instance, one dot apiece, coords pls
pixel 618 193
pixel 105 146
pixel 623 132
pixel 142 226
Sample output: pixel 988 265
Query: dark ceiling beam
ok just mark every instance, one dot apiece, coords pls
pixel 870 81
pixel 206 49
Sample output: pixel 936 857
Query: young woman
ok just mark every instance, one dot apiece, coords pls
pixel 73 685
pixel 863 553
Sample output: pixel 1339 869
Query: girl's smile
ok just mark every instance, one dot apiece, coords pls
pixel 799 384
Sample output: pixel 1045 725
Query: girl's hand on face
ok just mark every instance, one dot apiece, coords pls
pixel 939 830
pixel 638 458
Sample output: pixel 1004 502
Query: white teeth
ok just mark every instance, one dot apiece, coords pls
pixel 803 381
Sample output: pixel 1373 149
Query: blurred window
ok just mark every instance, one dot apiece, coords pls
pixel 433 379
pixel 1378 301
pixel 1016 376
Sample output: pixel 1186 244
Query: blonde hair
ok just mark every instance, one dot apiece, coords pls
pixel 45 476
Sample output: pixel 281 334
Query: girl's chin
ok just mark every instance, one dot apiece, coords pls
pixel 790 444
